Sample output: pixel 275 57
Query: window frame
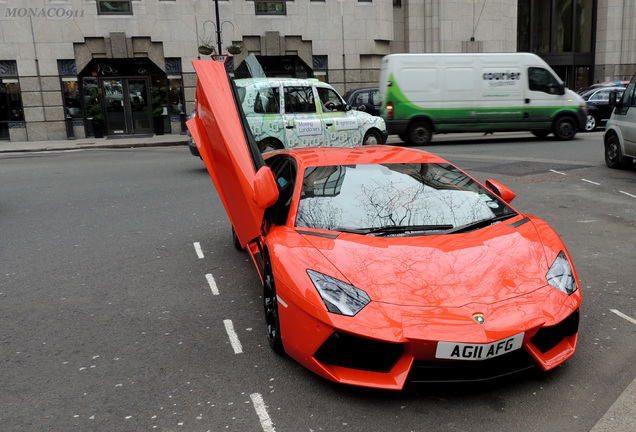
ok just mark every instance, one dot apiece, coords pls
pixel 99 3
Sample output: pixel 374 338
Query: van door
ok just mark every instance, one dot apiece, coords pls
pixel 543 100
pixel 626 119
pixel 302 126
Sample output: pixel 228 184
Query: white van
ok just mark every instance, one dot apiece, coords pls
pixel 424 94
pixel 620 132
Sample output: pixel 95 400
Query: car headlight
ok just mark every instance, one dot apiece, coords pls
pixel 561 276
pixel 339 297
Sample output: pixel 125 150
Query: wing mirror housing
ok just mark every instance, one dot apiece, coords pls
pixel 265 189
pixel 501 191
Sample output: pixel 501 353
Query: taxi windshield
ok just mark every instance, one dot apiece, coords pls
pixel 394 199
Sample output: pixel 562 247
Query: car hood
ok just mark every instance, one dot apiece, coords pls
pixel 486 266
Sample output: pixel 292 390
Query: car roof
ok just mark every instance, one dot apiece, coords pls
pixel 269 81
pixel 384 154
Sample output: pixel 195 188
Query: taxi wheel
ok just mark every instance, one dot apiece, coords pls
pixel 270 302
pixel 372 137
pixel 590 123
pixel 564 129
pixel 269 144
pixel 419 133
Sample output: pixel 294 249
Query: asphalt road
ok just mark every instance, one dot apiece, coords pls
pixel 125 307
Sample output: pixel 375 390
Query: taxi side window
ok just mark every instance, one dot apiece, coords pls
pixel 330 99
pixel 299 100
pixel 266 101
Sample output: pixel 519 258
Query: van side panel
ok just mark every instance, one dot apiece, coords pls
pixel 468 93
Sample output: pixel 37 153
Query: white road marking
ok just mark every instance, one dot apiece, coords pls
pixel 261 411
pixel 557 172
pixel 628 194
pixel 590 181
pixel 622 315
pixel 199 251
pixel 212 284
pixel 234 340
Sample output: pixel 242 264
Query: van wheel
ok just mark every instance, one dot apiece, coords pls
pixel 372 137
pixel 613 155
pixel 590 123
pixel 541 133
pixel 564 129
pixel 419 134
pixel 269 144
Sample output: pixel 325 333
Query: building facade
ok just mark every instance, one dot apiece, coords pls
pixel 78 68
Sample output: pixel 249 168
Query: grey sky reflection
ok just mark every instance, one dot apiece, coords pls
pixel 370 196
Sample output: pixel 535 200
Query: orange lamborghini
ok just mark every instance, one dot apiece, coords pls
pixel 382 265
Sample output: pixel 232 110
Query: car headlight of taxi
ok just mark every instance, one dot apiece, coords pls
pixel 561 276
pixel 339 297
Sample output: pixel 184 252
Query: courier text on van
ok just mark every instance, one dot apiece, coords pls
pixel 424 94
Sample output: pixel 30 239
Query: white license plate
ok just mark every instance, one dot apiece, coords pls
pixel 462 351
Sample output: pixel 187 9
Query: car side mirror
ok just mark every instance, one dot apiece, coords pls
pixel 265 189
pixel 501 191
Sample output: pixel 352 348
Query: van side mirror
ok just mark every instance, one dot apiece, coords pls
pixel 612 99
pixel 561 89
pixel 501 191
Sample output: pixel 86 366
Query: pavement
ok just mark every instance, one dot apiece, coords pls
pixel 621 416
pixel 94 143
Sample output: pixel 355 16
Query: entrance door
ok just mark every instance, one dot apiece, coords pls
pixel 127 105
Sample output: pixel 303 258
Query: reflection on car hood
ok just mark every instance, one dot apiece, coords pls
pixel 484 266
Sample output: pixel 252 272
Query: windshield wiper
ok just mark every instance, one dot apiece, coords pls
pixel 480 224
pixel 395 229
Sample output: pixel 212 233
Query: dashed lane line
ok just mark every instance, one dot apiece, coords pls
pixel 198 250
pixel 261 411
pixel 234 340
pixel 622 315
pixel 212 284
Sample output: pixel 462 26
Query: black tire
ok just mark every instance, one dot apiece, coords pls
pixel 269 144
pixel 235 241
pixel 591 123
pixel 419 133
pixel 541 133
pixel 564 129
pixel 613 155
pixel 372 137
pixel 270 303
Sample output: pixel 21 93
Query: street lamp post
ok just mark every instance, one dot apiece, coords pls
pixel 218 27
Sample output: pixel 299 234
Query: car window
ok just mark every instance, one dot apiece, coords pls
pixel 266 101
pixel 378 195
pixel 540 79
pixel 628 98
pixel 299 100
pixel 284 171
pixel 598 96
pixel 330 99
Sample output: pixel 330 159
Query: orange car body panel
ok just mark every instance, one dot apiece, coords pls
pixel 423 289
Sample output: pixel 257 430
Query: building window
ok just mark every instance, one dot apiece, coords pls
pixel 10 97
pixel 114 7
pixel 274 7
pixel 70 88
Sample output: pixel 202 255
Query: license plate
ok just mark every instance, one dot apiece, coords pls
pixel 462 351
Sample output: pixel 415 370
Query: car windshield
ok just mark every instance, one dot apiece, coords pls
pixel 395 199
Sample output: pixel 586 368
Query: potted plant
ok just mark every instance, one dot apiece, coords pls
pixel 235 48
pixel 206 46
pixel 157 110
pixel 98 120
